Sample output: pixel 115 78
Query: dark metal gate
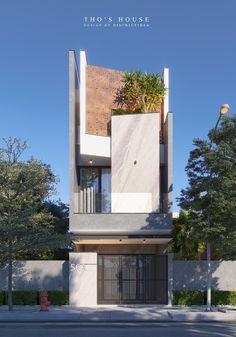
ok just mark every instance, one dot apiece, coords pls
pixel 132 279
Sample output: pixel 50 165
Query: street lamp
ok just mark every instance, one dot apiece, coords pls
pixel 223 110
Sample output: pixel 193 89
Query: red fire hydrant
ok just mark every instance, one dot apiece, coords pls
pixel 44 303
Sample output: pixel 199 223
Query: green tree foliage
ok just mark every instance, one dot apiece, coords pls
pixel 60 225
pixel 184 245
pixel 141 92
pixel 25 226
pixel 210 198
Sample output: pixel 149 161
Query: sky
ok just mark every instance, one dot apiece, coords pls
pixel 194 38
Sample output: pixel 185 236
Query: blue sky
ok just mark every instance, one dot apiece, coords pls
pixel 194 38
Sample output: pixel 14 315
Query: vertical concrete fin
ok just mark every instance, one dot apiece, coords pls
pixel 166 100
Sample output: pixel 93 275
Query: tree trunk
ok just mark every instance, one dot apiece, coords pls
pixel 9 295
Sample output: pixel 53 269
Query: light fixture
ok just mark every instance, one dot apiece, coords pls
pixel 91 161
pixel 224 109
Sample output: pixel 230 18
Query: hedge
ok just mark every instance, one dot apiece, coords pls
pixel 188 297
pixel 223 297
pixel 181 297
pixel 2 297
pixel 58 297
pixel 32 297
pixel 191 297
pixel 24 297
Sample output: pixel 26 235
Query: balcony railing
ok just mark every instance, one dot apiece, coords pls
pixel 93 202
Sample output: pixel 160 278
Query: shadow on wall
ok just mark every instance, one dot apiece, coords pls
pixel 159 220
pixel 37 275
pixel 192 275
pixel 18 273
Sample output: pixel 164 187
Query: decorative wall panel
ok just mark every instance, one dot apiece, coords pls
pixel 101 87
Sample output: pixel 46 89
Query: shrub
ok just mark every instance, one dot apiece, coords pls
pixel 188 297
pixel 223 297
pixel 2 297
pixel 218 297
pixel 24 297
pixel 58 297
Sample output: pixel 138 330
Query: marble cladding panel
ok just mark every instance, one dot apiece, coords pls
pixel 135 163
pixel 83 279
pixel 101 86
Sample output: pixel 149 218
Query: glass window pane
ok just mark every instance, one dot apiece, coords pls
pixel 95 190
pixel 106 190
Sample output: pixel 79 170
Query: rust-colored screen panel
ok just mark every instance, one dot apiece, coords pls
pixel 101 86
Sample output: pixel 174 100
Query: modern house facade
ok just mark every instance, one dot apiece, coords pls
pixel 120 193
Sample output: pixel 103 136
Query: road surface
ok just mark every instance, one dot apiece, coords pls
pixel 118 330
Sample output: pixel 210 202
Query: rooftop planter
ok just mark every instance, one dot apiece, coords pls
pixel 140 93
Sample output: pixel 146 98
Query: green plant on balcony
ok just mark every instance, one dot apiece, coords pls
pixel 141 92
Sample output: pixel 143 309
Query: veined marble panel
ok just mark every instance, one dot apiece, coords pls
pixel 83 279
pixel 135 163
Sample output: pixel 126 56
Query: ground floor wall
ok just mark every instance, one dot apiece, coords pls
pixel 192 275
pixel 37 275
pixel 56 275
pixel 83 279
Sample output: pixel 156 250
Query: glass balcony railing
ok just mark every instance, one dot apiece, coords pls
pixel 93 202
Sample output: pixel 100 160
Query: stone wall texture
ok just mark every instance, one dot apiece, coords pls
pixel 135 153
pixel 101 87
pixel 83 279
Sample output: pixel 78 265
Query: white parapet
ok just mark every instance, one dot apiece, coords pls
pixel 166 100
pixel 89 144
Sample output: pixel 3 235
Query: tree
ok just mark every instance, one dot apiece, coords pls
pixel 210 198
pixel 184 245
pixel 24 225
pixel 141 92
pixel 60 212
pixel 60 225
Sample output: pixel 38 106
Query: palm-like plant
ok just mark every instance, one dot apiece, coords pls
pixel 183 244
pixel 141 92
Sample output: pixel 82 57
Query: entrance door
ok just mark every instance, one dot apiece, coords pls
pixel 132 279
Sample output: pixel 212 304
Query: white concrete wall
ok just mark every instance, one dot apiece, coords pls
pixel 73 115
pixel 37 275
pixel 89 144
pixel 192 275
pixel 135 163
pixel 83 279
pixel 166 100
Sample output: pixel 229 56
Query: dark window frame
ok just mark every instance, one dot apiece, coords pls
pixel 158 296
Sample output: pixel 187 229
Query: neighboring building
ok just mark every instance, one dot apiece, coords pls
pixel 120 193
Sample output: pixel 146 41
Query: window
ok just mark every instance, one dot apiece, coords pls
pixel 95 190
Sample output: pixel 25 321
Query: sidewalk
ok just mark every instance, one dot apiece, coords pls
pixel 106 314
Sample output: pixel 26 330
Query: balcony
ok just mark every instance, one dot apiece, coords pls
pixel 121 224
pixel 93 202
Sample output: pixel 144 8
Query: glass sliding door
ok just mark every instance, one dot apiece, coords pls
pixel 95 190
pixel 89 189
